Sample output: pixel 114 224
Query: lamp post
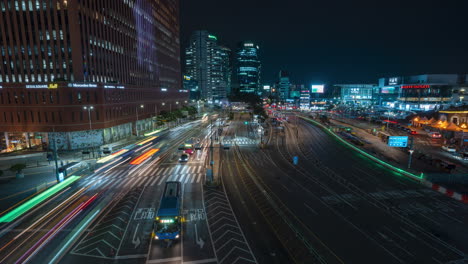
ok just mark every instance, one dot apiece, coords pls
pixel 136 123
pixel 89 108
pixel 155 115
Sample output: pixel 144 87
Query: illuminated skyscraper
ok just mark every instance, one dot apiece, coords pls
pixel 209 64
pixel 248 68
pixel 284 85
pixel 226 68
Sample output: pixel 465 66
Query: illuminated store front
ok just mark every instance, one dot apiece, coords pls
pixel 423 96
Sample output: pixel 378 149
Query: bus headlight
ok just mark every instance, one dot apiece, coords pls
pixel 177 236
pixel 156 237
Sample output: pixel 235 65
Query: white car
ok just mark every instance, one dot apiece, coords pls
pixel 449 148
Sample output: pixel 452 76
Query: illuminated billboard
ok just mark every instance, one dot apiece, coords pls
pixel 318 88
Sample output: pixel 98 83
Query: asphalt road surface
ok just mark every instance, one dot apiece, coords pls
pixel 343 208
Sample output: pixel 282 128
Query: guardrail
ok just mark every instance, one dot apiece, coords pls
pixel 418 178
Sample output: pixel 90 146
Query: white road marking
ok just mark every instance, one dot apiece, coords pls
pixel 161 179
pixel 154 180
pixel 182 177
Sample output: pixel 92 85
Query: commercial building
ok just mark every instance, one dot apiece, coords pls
pixel 209 65
pixel 284 85
pixel 225 54
pixel 304 101
pixel 86 73
pixel 191 85
pixel 421 92
pixel 248 68
pixel 356 93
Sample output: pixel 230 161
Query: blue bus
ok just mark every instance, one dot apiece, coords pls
pixel 167 224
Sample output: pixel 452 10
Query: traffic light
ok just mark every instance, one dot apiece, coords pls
pixel 246 122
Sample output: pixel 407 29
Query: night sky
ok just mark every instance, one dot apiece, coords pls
pixel 340 41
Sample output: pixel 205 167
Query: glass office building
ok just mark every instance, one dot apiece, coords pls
pixel 248 68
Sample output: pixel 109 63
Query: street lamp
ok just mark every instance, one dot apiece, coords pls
pixel 136 123
pixel 89 108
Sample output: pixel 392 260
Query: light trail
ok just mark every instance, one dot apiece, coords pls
pixel 107 165
pixel 112 156
pixel 144 157
pixel 20 210
pixel 54 230
pixel 146 141
pixel 72 239
pixel 153 132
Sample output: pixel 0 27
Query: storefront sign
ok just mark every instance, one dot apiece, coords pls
pixel 37 86
pixel 418 86
pixel 53 86
pixel 82 85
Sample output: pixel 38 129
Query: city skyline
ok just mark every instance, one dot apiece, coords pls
pixel 332 44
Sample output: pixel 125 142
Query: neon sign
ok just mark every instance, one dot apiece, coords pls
pixel 419 86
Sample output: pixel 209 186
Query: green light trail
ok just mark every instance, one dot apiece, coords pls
pixel 395 169
pixel 20 210
pixel 153 132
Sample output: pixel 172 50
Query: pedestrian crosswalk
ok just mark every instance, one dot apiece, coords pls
pixel 158 176
pixel 240 141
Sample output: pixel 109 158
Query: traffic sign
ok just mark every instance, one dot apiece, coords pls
pixel 399 142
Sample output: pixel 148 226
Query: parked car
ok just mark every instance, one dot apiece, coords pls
pixel 449 148
pixel 434 135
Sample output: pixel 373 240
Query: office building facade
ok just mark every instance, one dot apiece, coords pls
pixel 248 68
pixel 225 54
pixel 208 64
pixel 356 93
pixel 422 92
pixel 86 72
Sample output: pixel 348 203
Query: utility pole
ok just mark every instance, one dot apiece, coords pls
pixel 155 115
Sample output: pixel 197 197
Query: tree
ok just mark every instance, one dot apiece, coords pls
pixel 18 169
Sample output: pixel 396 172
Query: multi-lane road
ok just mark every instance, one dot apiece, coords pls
pixel 337 206
pixel 333 206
